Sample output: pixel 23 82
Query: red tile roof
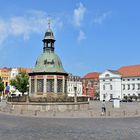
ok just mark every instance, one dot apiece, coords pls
pixel 92 75
pixel 130 71
pixel 28 70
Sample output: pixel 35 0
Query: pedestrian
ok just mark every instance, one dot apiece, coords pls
pixel 103 108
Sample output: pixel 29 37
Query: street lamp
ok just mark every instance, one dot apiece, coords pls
pixel 27 97
pixel 87 93
pixel 75 93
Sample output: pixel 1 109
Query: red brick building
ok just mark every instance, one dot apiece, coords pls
pixel 90 84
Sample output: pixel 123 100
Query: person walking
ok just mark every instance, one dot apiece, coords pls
pixel 103 108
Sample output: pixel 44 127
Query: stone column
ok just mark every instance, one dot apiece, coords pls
pixel 55 84
pixel 63 84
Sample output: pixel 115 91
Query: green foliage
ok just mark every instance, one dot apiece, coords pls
pixel 21 82
pixel 1 85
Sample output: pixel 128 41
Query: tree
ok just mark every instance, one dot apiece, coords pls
pixel 1 85
pixel 21 82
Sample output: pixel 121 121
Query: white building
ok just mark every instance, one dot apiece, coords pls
pixel 14 72
pixel 74 83
pixel 123 82
pixel 130 80
pixel 110 85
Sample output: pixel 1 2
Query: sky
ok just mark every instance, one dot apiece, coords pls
pixel 91 35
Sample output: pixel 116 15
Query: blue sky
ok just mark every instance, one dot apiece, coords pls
pixel 91 35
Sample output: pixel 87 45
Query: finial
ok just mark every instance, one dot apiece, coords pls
pixel 49 23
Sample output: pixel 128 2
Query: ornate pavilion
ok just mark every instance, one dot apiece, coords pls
pixel 48 75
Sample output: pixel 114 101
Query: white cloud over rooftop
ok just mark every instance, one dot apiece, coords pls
pixel 24 26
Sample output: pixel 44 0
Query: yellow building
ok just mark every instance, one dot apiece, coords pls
pixel 5 75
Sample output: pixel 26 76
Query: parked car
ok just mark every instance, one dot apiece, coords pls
pixel 112 99
pixel 16 94
pixel 126 100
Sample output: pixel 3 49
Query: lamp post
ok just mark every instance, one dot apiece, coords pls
pixel 27 97
pixel 87 95
pixel 75 93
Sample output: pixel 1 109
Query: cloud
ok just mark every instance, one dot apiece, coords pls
pixel 101 18
pixel 79 15
pixel 26 25
pixel 81 36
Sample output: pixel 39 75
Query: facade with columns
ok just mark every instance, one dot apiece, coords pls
pixel 120 83
pixel 48 75
pixel 110 85
pixel 74 85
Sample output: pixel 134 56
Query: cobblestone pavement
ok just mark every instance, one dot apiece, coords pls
pixel 34 128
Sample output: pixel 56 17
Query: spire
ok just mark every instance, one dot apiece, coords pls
pixel 48 38
pixel 49 23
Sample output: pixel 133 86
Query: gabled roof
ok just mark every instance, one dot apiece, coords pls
pixel 114 72
pixel 130 71
pixel 92 75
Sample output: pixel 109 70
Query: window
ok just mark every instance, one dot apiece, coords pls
pixel 128 79
pixel 103 87
pixel 59 85
pixel 138 86
pixel 110 79
pixel 103 96
pixel 32 86
pixel 111 96
pixel 50 85
pixel 107 75
pixel 40 85
pixel 103 80
pixel 65 86
pixel 123 87
pixel 128 87
pixel 133 86
pixel 111 87
pixel 138 79
pixel 123 79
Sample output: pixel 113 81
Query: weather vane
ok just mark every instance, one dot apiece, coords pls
pixel 49 23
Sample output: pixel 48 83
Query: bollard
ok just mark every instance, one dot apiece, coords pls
pixel 72 114
pixel 108 113
pixel 91 114
pixel 10 110
pixel 54 113
pixel 21 111
pixel 124 113
pixel 136 113
pixel 35 113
